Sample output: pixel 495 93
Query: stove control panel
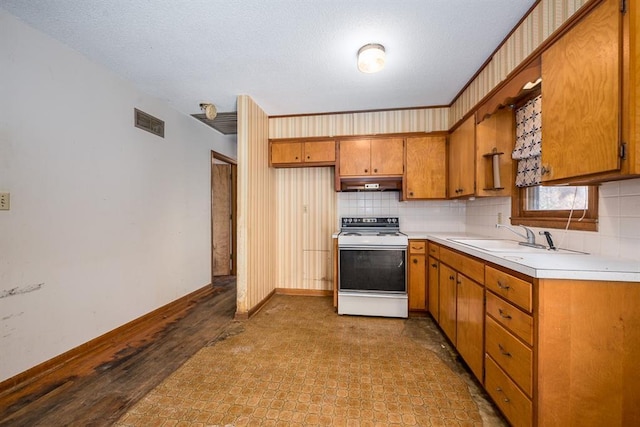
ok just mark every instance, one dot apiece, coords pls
pixel 370 222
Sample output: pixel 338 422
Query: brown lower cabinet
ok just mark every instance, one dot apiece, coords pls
pixel 554 352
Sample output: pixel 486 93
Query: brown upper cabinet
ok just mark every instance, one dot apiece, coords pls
pixel 591 98
pixel 297 153
pixel 495 136
pixel 426 168
pixel 371 156
pixel 462 159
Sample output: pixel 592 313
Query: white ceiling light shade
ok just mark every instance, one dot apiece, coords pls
pixel 210 110
pixel 371 58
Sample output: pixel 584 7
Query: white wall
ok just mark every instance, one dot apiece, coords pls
pixel 421 216
pixel 107 221
pixel 618 232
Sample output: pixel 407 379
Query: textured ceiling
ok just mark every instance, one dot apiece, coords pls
pixel 290 56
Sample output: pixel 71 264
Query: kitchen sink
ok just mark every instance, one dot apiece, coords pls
pixel 504 245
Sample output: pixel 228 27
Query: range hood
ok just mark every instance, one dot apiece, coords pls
pixel 371 184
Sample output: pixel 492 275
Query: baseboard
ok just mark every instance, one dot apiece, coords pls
pixel 55 367
pixel 304 292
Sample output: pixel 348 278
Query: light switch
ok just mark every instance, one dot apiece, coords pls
pixel 4 201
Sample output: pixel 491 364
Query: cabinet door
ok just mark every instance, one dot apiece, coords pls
pixel 462 160
pixel 286 152
pixel 320 151
pixel 387 156
pixel 470 321
pixel 447 281
pixel 426 168
pixel 581 97
pixel 434 289
pixel 355 157
pixel 417 283
pixel 496 132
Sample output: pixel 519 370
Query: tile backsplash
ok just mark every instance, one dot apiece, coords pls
pixel 618 232
pixel 428 216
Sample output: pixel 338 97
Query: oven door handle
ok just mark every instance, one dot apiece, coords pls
pixel 372 248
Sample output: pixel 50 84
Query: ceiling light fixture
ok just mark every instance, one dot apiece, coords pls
pixel 371 58
pixel 210 111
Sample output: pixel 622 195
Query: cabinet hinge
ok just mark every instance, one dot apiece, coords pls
pixel 623 150
pixel 623 6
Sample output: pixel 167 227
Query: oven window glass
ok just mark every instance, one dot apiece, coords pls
pixel 369 270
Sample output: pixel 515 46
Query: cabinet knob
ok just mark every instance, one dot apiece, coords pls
pixel 415 260
pixel 308 157
pixel 411 193
pixel 434 265
pixel 366 170
pixel 545 170
pixel 451 278
pixel 296 157
pixel 375 170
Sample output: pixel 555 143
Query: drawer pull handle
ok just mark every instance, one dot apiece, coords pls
pixel 501 286
pixel 503 351
pixel 504 316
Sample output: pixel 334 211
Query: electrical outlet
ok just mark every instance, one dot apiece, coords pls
pixel 4 201
pixel 499 217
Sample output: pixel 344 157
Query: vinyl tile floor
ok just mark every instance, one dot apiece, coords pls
pixel 298 363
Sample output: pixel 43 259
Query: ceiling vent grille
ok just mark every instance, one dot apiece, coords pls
pixel 225 123
pixel 149 123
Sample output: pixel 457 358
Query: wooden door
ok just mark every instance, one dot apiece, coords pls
pixel 426 163
pixel 470 323
pixel 581 97
pixel 320 151
pixel 387 156
pixel 447 281
pixel 417 282
pixel 221 218
pixel 286 152
pixel 462 160
pixel 355 157
pixel 434 288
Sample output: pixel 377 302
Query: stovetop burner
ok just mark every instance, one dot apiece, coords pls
pixel 365 232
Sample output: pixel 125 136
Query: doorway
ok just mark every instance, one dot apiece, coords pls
pixel 223 215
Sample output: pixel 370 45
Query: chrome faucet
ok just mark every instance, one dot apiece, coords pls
pixel 530 236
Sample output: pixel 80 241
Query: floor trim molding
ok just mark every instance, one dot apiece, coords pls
pixel 40 375
pixel 304 292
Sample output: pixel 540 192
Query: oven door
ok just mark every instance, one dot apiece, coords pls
pixel 372 269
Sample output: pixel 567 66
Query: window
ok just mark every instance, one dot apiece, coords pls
pixel 575 208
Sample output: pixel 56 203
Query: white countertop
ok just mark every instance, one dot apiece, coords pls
pixel 546 265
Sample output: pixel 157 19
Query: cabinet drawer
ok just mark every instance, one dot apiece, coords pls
pixel 512 355
pixel 509 398
pixel 468 266
pixel 417 246
pixel 509 287
pixel 434 250
pixel 512 318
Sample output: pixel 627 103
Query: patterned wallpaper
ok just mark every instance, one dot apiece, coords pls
pixel 256 208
